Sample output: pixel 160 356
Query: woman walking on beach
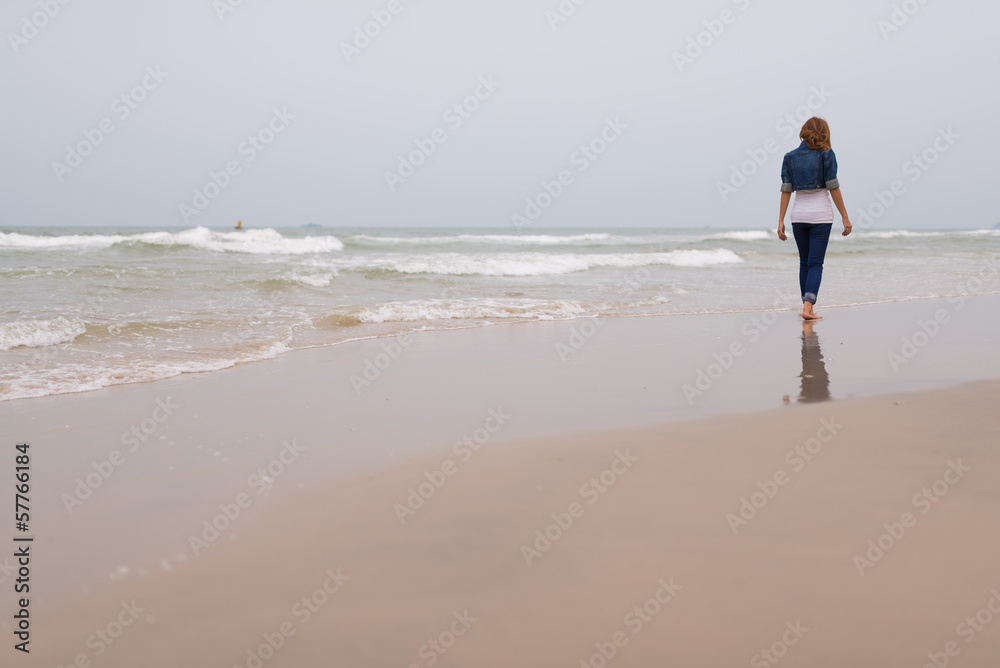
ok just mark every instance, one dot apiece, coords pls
pixel 811 172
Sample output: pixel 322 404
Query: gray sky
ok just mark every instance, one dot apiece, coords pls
pixel 679 127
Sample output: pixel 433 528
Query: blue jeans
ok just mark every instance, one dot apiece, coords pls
pixel 812 239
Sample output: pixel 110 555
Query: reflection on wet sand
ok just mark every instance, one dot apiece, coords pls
pixel 815 380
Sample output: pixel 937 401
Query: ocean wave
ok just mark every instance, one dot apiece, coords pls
pixel 894 234
pixel 67 378
pixel 469 309
pixel 37 241
pixel 744 235
pixel 264 241
pixel 510 239
pixel 314 280
pixel 535 264
pixel 37 333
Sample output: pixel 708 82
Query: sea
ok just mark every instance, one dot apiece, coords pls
pixel 85 308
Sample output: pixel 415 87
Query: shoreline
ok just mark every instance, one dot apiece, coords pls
pixel 499 323
pixel 636 328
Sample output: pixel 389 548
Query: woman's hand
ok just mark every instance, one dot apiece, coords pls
pixel 781 231
pixel 847 226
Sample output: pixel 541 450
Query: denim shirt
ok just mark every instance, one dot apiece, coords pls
pixel 808 169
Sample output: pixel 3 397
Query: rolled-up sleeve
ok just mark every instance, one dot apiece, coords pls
pixel 786 176
pixel 830 170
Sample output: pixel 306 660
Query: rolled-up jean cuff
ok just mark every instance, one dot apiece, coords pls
pixel 832 184
pixel 786 187
pixel 809 297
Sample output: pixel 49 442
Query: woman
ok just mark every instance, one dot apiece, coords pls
pixel 811 172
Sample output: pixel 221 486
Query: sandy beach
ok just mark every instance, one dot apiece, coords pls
pixel 401 334
pixel 536 494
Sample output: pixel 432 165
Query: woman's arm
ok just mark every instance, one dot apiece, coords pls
pixel 838 199
pixel 785 198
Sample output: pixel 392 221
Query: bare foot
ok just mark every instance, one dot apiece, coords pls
pixel 809 315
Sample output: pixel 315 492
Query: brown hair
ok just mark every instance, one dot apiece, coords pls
pixel 816 134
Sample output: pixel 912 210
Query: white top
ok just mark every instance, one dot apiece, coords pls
pixel 812 206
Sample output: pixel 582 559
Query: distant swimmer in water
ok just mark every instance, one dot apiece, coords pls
pixel 239 224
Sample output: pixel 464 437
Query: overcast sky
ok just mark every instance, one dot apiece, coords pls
pixel 199 78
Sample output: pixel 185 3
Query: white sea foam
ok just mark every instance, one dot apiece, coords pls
pixel 264 241
pixel 893 234
pixel 985 233
pixel 254 241
pixel 37 333
pixel 509 239
pixel 536 264
pixel 698 258
pixel 68 378
pixel 314 280
pixel 469 309
pixel 37 241
pixel 744 235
